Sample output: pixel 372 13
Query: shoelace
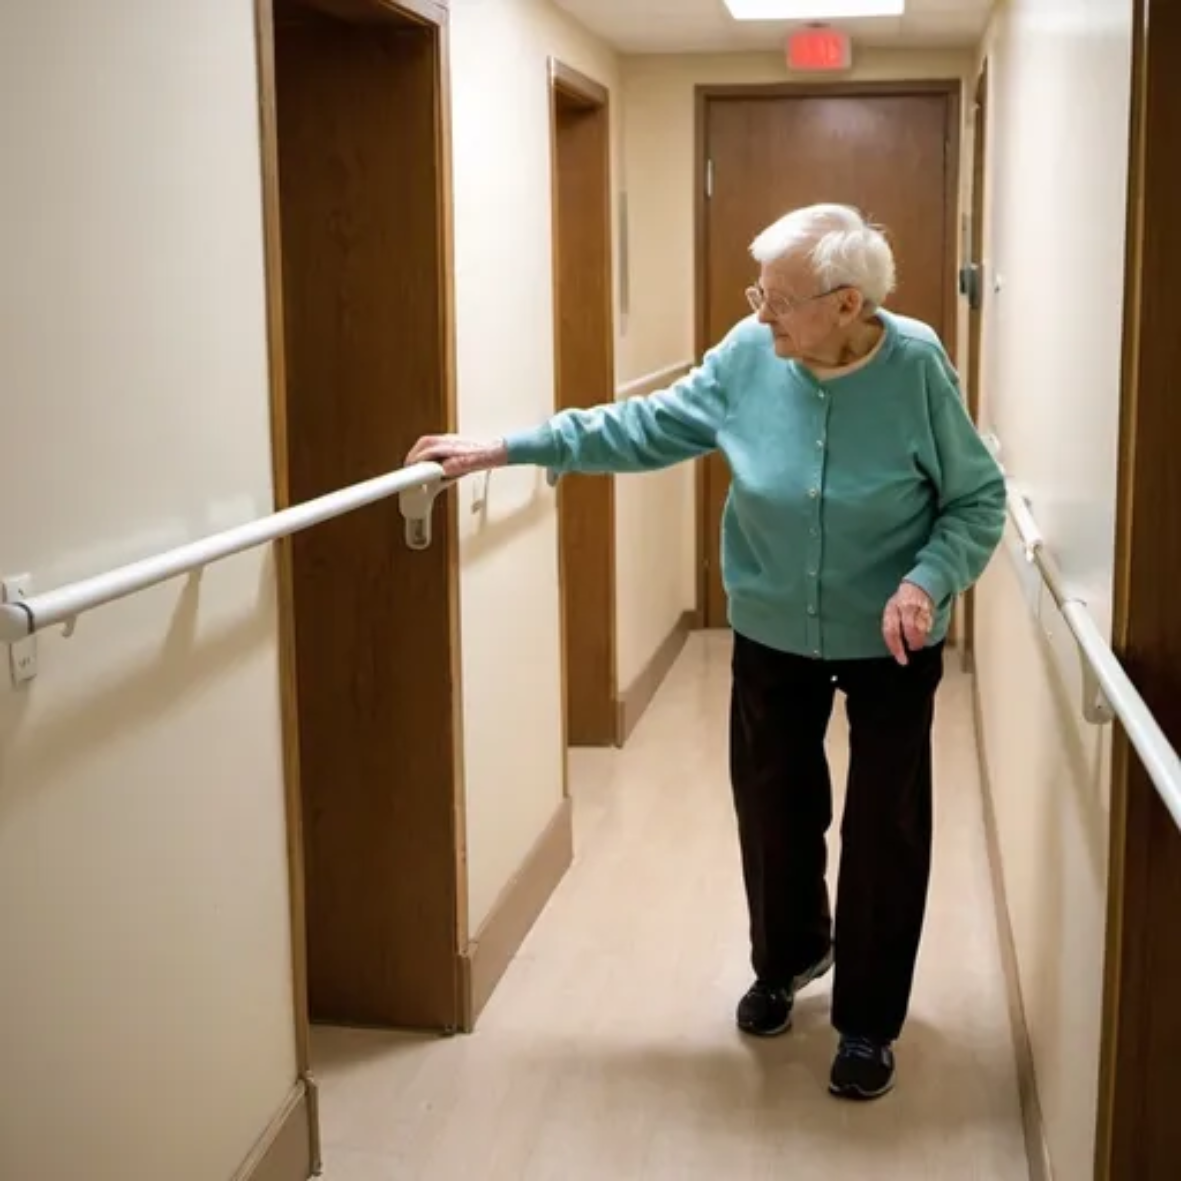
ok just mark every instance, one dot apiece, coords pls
pixel 860 1047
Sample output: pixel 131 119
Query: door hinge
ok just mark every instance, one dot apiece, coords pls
pixel 709 178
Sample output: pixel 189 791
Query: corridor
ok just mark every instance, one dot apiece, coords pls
pixel 311 754
pixel 609 1049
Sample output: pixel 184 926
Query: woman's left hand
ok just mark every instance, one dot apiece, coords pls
pixel 907 621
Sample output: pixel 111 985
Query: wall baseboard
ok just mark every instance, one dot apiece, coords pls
pixel 634 701
pixel 286 1150
pixel 487 957
pixel 1036 1148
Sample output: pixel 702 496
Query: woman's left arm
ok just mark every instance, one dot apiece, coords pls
pixel 970 491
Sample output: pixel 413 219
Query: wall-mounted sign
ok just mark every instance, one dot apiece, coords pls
pixel 819 50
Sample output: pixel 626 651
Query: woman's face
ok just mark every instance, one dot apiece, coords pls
pixel 804 319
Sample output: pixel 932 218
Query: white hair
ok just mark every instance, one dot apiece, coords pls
pixel 844 249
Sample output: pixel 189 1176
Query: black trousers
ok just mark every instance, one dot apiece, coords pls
pixel 780 708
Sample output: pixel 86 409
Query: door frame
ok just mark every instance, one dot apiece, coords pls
pixel 570 86
pixel 432 15
pixel 951 88
pixel 975 314
pixel 1141 1022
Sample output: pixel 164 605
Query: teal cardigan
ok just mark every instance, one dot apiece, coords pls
pixel 841 487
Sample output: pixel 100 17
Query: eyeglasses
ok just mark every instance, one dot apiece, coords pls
pixel 779 306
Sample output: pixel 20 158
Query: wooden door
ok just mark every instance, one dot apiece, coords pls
pixel 358 288
pixel 890 151
pixel 584 366
pixel 1139 1133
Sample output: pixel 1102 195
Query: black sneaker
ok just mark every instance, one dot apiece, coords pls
pixel 863 1069
pixel 765 1011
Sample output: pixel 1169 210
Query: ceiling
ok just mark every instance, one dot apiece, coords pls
pixel 706 26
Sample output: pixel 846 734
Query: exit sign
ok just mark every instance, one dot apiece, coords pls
pixel 815 51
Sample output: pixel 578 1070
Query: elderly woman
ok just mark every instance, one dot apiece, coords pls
pixel 862 503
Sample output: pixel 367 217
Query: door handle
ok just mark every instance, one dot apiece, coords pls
pixel 971 284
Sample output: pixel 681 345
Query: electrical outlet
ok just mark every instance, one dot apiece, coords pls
pixel 22 656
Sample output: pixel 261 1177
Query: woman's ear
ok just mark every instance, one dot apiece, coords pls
pixel 851 306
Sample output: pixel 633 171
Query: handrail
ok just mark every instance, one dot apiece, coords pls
pixel 416 488
pixel 1097 709
pixel 654 379
pixel 1109 691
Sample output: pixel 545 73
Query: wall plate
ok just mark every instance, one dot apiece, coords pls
pixel 22 656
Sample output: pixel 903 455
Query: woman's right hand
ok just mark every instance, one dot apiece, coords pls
pixel 458 456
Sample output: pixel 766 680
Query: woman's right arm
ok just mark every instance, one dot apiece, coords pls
pixel 637 435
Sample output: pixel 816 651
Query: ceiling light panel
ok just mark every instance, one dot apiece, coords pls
pixel 812 10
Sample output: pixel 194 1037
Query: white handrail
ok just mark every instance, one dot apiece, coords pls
pixel 656 378
pixel 1116 695
pixel 415 486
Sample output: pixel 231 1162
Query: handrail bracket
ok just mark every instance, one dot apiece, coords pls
pixel 417 506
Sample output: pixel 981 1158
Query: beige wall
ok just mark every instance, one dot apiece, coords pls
pixel 145 1001
pixel 1056 203
pixel 658 547
pixel 504 325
